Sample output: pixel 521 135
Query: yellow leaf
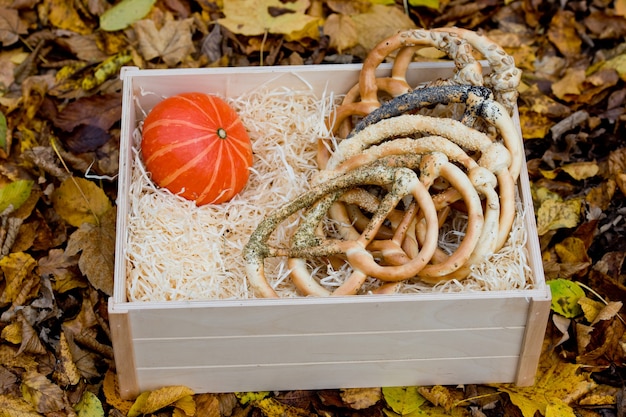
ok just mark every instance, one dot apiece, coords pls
pixel 379 23
pixel 66 372
pixel 557 408
pixel 248 397
pixel 16 267
pixel 618 63
pixel 137 408
pixel 438 396
pixel 45 396
pixel 13 333
pixel 89 406
pixel 79 201
pixel 556 214
pixel 254 17
pixel 620 7
pixel 590 308
pixel 572 250
pixel 11 406
pixel 271 407
pixel 581 170
pixel 403 400
pixel 342 31
pixel 96 244
pixel 559 382
pixel 111 391
pixel 534 125
pixel 187 405
pixel 108 68
pixel 63 15
pixel 164 397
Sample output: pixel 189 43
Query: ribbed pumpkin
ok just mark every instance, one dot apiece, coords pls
pixel 195 145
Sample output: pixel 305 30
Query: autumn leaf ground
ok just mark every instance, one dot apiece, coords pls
pixel 59 143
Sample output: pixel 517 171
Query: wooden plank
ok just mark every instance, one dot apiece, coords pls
pixel 123 352
pixel 330 315
pixel 333 375
pixel 532 344
pixel 263 350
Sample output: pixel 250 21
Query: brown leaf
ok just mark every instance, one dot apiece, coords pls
pixel 562 33
pixel 30 339
pixel 96 244
pixel 172 42
pixel 62 269
pixel 379 23
pixel 208 405
pixel 101 111
pixel 361 398
pixel 44 396
pixel 342 31
pixel 11 26
pixel 605 26
pixel 17 268
pixel 15 406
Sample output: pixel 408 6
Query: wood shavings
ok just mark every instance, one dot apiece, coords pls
pixel 178 251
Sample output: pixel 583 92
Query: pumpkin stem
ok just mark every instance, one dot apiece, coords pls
pixel 221 133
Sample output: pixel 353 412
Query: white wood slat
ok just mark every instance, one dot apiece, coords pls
pixel 333 375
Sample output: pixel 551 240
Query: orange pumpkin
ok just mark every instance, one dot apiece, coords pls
pixel 195 145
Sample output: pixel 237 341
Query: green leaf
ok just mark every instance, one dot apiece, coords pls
pixel 124 14
pixel 565 296
pixel 247 397
pixel 4 143
pixel 403 400
pixel 89 406
pixel 15 194
pixel 431 4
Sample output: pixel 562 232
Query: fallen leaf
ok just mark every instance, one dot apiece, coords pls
pixel 248 397
pixel 561 382
pixel 158 399
pixel 253 17
pixel 62 270
pixel 111 390
pixel 63 15
pixel 558 408
pixel 186 404
pixel 172 42
pixel 439 396
pixel 17 268
pixel 11 26
pixel 558 214
pixel 124 14
pixel 403 400
pixel 89 406
pixel 15 194
pixel 42 394
pixel 565 296
pixel 360 398
pixel 378 23
pixel 341 30
pixel 66 373
pixel 96 244
pixel 570 84
pixel 271 407
pixel 12 406
pixel 30 339
pixel 590 308
pixel 562 33
pixel 80 201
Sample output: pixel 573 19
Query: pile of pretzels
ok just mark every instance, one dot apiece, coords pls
pixel 393 175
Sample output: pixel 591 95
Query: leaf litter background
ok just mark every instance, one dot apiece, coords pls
pixel 59 141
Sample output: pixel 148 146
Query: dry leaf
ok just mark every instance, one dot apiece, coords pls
pixel 30 339
pixel 360 398
pixel 11 26
pixel 559 382
pixel 66 373
pixel 61 269
pixel 254 17
pixel 208 405
pixel 111 390
pixel 378 23
pixel 558 214
pixel 11 406
pixel 562 33
pixel 96 244
pixel 80 201
pixel 45 396
pixel 152 401
pixel 17 268
pixel 63 15
pixel 570 84
pixel 172 42
pixel 271 407
pixel 342 31
pixel 439 396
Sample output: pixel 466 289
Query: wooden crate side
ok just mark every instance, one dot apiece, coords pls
pixel 333 375
pixel 124 352
pixel 303 348
pixel 539 312
pixel 331 315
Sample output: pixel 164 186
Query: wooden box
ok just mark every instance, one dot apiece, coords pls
pixel 315 343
